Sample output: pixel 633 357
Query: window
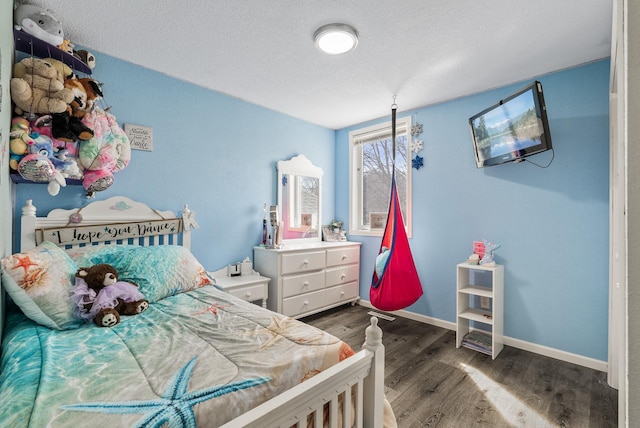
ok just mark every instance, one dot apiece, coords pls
pixel 371 164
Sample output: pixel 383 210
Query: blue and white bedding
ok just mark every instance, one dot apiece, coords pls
pixel 196 357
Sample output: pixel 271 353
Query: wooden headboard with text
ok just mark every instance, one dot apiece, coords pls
pixel 117 220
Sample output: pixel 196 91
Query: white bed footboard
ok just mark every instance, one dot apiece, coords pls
pixel 351 393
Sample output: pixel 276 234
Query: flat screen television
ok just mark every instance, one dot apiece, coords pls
pixel 512 129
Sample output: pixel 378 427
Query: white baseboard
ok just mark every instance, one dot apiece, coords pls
pixel 509 341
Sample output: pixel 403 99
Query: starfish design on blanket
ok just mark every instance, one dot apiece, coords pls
pixel 25 263
pixel 213 309
pixel 285 327
pixel 175 407
pixel 274 330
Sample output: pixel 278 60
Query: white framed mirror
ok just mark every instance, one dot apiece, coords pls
pixel 299 200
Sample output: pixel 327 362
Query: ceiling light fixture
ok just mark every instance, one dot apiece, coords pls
pixel 336 39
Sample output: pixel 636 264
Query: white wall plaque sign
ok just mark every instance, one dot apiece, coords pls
pixel 141 137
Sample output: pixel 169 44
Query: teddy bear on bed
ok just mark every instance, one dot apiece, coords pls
pixel 98 295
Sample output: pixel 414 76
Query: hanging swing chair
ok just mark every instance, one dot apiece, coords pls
pixel 395 284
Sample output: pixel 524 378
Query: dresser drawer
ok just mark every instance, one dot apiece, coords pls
pixel 296 305
pixel 250 292
pixel 343 256
pixel 342 274
pixel 341 293
pixel 302 262
pixel 298 284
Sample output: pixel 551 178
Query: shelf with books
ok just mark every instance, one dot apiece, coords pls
pixel 481 342
pixel 479 314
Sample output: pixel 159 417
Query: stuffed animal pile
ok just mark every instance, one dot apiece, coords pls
pixel 100 297
pixel 59 109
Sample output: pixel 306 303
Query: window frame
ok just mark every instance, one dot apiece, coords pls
pixel 403 126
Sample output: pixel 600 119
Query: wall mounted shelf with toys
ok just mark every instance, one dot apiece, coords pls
pixel 60 135
pixel 34 46
pixel 17 178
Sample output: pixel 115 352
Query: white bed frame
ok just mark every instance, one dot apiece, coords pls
pixel 353 387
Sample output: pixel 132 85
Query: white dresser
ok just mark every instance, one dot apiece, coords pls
pixel 310 278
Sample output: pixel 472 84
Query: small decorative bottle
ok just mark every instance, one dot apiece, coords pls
pixel 264 225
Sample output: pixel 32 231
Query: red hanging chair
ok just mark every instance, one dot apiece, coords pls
pixel 395 284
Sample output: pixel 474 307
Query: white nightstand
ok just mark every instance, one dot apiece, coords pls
pixel 246 287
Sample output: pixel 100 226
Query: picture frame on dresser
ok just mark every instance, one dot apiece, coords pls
pixel 329 235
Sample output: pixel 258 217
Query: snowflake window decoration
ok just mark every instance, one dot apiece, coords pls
pixel 417 162
pixel 416 146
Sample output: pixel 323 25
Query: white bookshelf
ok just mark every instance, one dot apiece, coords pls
pixel 473 283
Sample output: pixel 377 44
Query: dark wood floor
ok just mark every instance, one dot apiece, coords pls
pixel 430 383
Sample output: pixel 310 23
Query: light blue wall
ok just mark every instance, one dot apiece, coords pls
pixel 212 151
pixel 553 224
pixel 218 154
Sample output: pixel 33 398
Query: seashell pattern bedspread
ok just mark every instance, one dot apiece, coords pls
pixel 198 358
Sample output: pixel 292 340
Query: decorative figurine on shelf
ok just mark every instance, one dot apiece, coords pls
pixel 487 259
pixel 473 259
pixel 336 225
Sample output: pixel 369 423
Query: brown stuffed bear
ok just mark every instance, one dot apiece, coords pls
pixel 99 295
pixel 38 87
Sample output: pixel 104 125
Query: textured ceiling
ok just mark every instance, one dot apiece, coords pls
pixel 423 51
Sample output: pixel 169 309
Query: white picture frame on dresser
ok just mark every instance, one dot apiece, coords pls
pixel 310 278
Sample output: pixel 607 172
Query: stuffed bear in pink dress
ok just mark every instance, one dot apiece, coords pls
pixel 99 296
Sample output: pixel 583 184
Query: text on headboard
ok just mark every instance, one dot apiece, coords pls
pixel 109 232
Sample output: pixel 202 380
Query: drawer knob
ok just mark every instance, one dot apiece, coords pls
pixel 343 276
pixel 341 293
pixel 344 257
pixel 305 303
pixel 305 262
pixel 305 284
pixel 248 294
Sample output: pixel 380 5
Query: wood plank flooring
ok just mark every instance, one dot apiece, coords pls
pixel 431 383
